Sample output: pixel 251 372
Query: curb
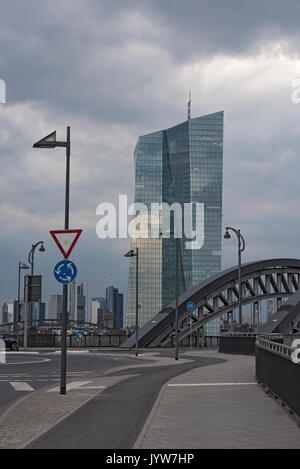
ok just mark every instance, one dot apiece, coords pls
pixel 147 424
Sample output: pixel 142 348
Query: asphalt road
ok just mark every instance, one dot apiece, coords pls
pixel 115 417
pixel 43 370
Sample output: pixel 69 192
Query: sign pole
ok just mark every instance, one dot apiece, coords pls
pixel 63 365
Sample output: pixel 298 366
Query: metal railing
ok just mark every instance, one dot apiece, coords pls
pixel 268 343
pixel 238 334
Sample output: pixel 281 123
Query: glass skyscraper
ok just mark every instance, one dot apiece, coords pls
pixel 184 165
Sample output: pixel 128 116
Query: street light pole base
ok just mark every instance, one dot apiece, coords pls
pixel 63 390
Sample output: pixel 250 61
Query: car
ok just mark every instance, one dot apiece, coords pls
pixel 10 343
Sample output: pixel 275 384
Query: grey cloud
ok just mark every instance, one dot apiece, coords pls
pixel 114 70
pixel 101 58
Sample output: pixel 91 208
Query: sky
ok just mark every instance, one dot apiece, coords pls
pixel 114 70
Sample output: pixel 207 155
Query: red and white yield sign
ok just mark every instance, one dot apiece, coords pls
pixel 65 240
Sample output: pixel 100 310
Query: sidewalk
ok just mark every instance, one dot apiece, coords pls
pixel 218 406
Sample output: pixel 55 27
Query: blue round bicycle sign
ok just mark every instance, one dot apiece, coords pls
pixel 65 271
pixel 190 306
pixel 79 335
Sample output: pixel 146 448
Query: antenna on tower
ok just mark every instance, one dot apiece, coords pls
pixel 110 280
pixel 189 106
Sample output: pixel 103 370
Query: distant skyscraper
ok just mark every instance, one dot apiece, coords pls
pixel 183 164
pixel 4 317
pixel 114 301
pixel 82 302
pixel 55 307
pixel 78 306
pixel 95 306
pixel 98 306
pixel 38 312
pixel 107 320
pixel 12 310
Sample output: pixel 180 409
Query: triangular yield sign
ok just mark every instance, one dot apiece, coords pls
pixel 65 240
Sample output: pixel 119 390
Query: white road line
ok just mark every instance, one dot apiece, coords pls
pixel 209 384
pixel 28 363
pixel 75 384
pixel 91 387
pixel 20 386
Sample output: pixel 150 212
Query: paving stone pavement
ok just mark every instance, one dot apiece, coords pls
pixel 33 415
pixel 235 415
pixel 36 413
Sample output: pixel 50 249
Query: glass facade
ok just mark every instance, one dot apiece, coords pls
pixel 184 165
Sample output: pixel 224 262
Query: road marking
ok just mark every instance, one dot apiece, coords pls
pixel 91 387
pixel 20 386
pixel 29 362
pixel 210 384
pixel 75 384
pixel 58 352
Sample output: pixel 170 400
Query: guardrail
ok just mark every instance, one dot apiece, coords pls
pixel 238 334
pixel 267 343
pixel 242 342
pixel 54 340
pixel 237 342
pixel 278 374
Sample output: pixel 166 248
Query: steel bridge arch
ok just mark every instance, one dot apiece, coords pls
pixel 218 295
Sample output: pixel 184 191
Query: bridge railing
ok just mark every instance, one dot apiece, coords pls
pixel 270 343
pixel 243 342
pixel 277 373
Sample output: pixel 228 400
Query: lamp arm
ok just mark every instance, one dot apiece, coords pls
pixel 244 244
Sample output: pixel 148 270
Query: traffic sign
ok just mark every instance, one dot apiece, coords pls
pixel 190 306
pixel 79 334
pixel 32 288
pixel 65 271
pixel 65 240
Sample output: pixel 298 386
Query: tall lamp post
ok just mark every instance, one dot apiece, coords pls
pixel 241 248
pixel 172 233
pixel 50 142
pixel 28 308
pixel 21 266
pixel 135 254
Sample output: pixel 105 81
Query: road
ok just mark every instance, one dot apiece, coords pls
pixel 36 371
pixel 115 417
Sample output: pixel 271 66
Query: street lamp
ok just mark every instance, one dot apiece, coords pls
pixel 50 142
pixel 31 262
pixel 21 266
pixel 31 253
pixel 135 254
pixel 241 248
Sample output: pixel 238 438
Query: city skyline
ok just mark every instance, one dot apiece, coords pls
pixel 80 305
pixel 107 115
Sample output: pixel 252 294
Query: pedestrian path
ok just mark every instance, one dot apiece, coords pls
pixel 218 406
